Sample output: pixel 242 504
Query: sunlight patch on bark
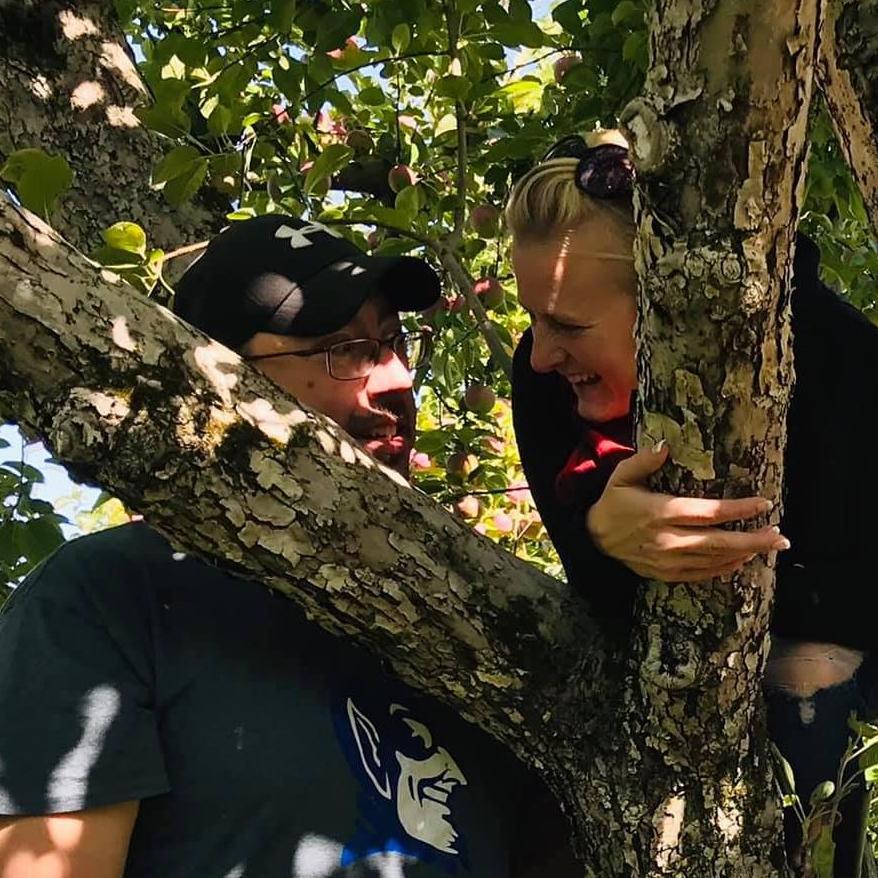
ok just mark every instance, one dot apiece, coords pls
pixel 87 94
pixel 114 57
pixel 669 827
pixel 75 27
pixel 121 335
pixel 41 88
pixel 122 117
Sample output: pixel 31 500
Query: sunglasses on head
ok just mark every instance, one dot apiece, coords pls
pixel 604 171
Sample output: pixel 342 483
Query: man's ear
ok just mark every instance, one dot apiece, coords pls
pixel 366 736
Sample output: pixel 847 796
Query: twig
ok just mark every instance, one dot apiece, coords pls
pixel 464 284
pixel 182 251
pixel 370 63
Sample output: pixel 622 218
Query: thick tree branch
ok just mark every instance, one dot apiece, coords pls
pixel 70 87
pixel 848 75
pixel 215 457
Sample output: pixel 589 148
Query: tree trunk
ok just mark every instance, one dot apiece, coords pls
pixel 847 73
pixel 720 142
pixel 68 85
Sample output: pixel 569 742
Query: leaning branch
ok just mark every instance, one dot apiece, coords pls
pixel 219 460
pixel 848 76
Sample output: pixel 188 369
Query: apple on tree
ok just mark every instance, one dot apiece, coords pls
pixel 400 177
pixel 468 507
pixel 563 66
pixel 490 291
pixel 460 464
pixel 485 220
pixel 479 398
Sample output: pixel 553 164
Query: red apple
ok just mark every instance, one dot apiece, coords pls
pixel 351 47
pixel 323 123
pixel 491 292
pixel 460 464
pixel 401 176
pixel 479 398
pixel 520 493
pixel 360 141
pixel 419 460
pixel 492 445
pixel 281 116
pixel 453 304
pixel 485 220
pixel 563 66
pixel 503 523
pixel 468 507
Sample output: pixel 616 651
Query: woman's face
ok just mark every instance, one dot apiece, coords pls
pixel 582 309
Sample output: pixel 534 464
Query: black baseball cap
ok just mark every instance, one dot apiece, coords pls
pixel 280 274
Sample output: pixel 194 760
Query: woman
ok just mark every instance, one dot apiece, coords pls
pixel 572 225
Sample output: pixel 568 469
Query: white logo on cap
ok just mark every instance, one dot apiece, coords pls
pixel 299 237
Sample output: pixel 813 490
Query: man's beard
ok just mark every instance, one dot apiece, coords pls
pixel 388 431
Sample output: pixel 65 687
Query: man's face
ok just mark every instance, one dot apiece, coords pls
pixel 378 410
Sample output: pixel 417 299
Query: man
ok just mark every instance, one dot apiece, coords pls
pixel 161 718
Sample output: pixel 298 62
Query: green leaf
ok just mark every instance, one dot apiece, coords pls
pixel 627 10
pixel 636 50
pixel 177 162
pixel 456 87
pixel 402 36
pixel 126 236
pixel 396 247
pixel 823 854
pixel 219 120
pixel 525 95
pixel 408 202
pixel 182 187
pixel 288 80
pixel 38 177
pixel 39 537
pixel 281 15
pixel 333 158
pixel 431 441
pixel 519 33
pixel 373 96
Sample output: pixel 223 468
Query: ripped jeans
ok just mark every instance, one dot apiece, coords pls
pixel 810 691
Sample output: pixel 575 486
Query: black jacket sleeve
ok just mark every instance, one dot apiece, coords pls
pixel 546 431
pixel 827 583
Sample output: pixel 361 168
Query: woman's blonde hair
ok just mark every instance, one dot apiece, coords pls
pixel 546 200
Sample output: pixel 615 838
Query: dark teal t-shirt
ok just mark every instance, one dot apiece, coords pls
pixel 259 745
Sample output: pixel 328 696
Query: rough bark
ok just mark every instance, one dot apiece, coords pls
pixel 720 141
pixel 69 86
pixel 848 76
pixel 218 459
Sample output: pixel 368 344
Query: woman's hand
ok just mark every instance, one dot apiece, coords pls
pixel 675 539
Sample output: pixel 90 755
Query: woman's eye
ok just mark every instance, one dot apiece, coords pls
pixel 569 328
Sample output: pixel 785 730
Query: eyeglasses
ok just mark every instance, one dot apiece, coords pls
pixel 604 171
pixel 357 357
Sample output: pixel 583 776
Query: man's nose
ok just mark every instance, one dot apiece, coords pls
pixel 390 374
pixel 545 355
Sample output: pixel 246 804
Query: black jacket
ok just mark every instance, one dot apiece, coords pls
pixel 827 583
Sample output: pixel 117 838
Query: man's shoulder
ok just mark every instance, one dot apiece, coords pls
pixel 130 563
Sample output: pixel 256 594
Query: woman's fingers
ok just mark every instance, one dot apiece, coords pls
pixel 726 545
pixel 693 511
